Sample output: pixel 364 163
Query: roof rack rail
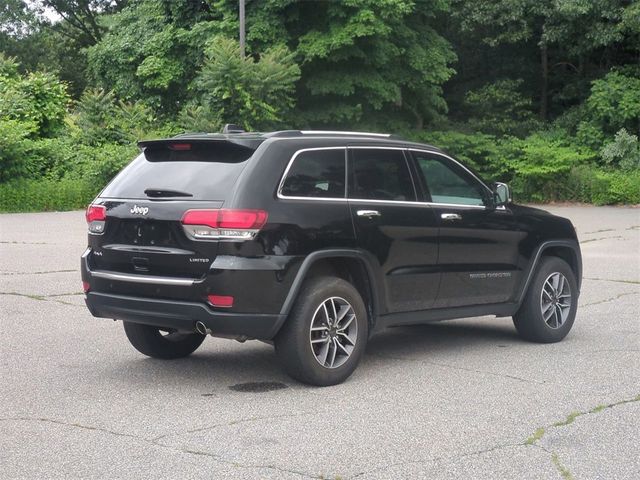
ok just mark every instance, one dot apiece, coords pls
pixel 339 132
pixel 283 133
pixel 297 133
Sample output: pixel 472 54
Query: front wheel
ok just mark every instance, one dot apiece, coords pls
pixel 326 333
pixel 549 307
pixel 164 344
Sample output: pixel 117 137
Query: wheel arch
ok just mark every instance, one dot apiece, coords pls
pixel 567 250
pixel 353 265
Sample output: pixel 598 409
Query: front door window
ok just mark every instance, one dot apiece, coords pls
pixel 448 183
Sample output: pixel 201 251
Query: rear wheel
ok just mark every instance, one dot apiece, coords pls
pixel 160 343
pixel 549 307
pixel 326 332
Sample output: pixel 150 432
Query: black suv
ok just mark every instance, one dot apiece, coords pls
pixel 315 240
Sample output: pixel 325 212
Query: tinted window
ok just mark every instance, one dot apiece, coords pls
pixel 316 173
pixel 448 183
pixel 207 172
pixel 380 174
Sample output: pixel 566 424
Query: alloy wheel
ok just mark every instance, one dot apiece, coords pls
pixel 555 300
pixel 334 332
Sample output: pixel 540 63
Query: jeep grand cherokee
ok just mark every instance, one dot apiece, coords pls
pixel 314 241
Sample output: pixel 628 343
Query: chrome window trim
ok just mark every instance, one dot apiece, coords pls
pixel 361 200
pixel 290 164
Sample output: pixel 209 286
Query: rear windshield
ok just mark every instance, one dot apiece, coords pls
pixel 204 172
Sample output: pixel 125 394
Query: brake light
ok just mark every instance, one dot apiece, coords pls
pixel 223 224
pixel 96 213
pixel 180 146
pixel 85 286
pixel 242 218
pixel 96 216
pixel 220 300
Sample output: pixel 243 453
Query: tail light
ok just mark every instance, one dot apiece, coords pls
pixel 96 216
pixel 223 224
pixel 225 301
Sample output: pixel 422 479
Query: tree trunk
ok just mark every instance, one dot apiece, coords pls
pixel 544 93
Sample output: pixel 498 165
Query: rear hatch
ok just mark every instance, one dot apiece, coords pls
pixel 142 232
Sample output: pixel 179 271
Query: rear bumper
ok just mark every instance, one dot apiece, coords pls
pixel 182 315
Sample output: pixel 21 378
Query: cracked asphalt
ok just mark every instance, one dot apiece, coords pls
pixel 459 399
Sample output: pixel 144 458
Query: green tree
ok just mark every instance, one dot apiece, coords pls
pixel 146 55
pixel 363 57
pixel 567 33
pixel 38 98
pixel 374 62
pixel 254 93
pixel 500 108
pixel 80 19
pixel 101 118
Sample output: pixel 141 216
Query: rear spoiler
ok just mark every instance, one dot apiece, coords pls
pixel 185 142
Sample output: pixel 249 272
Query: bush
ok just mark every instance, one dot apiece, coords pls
pixel 587 183
pixel 615 100
pixel 13 147
pixel 64 157
pixel 100 164
pixel 500 108
pixel 623 152
pixel 543 165
pixel 39 98
pixel 614 104
pixel 46 195
pixel 51 158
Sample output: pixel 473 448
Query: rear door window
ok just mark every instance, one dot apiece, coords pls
pixel 204 171
pixel 381 174
pixel 316 174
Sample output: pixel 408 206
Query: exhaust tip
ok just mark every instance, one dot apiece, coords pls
pixel 201 328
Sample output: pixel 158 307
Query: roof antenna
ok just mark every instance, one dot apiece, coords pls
pixel 232 128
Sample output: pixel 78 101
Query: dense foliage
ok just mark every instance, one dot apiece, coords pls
pixel 544 94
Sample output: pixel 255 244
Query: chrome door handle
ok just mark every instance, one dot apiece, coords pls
pixel 451 216
pixel 368 213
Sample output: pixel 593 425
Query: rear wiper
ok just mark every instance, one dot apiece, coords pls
pixel 161 192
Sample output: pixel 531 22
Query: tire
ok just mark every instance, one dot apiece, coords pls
pixel 150 341
pixel 301 358
pixel 544 316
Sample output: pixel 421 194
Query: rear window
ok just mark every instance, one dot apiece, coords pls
pixel 205 171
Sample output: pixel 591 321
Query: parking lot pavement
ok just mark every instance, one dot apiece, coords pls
pixel 460 399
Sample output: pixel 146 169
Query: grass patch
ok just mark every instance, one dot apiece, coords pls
pixel 537 435
pixel 564 471
pixel 571 417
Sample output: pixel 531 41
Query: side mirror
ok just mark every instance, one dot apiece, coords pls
pixel 502 194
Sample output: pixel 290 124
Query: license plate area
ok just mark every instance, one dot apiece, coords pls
pixel 147 233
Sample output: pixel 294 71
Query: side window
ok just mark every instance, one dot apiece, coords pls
pixel 381 174
pixel 447 182
pixel 316 173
